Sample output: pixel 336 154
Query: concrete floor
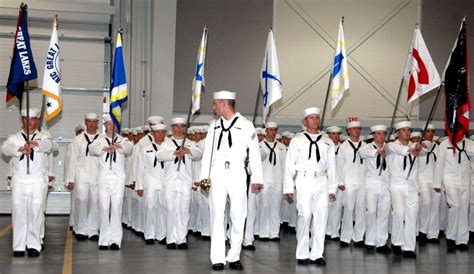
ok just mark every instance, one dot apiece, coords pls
pixel 135 257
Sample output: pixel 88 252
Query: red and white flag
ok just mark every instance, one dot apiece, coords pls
pixel 420 72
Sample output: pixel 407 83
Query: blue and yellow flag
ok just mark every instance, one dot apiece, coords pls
pixel 340 72
pixel 119 92
pixel 23 66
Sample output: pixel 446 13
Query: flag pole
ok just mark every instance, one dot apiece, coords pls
pixel 254 118
pixel 326 101
pixel 27 87
pixel 430 116
pixel 186 130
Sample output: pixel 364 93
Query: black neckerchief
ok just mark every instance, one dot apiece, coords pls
pixel 315 143
pixel 356 149
pixel 32 153
pixel 429 153
pixel 89 142
pixel 156 160
pixel 177 148
pixel 461 150
pixel 412 161
pixel 114 154
pixel 272 158
pixel 229 135
pixel 380 160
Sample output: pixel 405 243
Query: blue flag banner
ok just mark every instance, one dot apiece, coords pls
pixel 119 92
pixel 23 66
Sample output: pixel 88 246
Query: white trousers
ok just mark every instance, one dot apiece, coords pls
pixel 110 207
pixel 312 204
pixel 335 215
pixel 177 202
pixel 354 206
pixel 126 206
pixel 458 202
pixel 378 206
pixel 86 208
pixel 28 195
pixel 251 225
pixel 227 183
pixel 72 208
pixel 471 209
pixel 443 212
pixel 404 214
pixel 429 211
pixel 269 201
pixel 288 212
pixel 151 205
pixel 204 219
pixel 195 211
pixel 137 212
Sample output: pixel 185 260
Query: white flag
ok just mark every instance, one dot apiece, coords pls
pixel 52 77
pixel 198 80
pixel 340 72
pixel 270 82
pixel 420 72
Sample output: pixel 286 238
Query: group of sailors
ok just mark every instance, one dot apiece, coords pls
pixel 318 185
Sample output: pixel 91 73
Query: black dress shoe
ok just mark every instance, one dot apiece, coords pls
pixel 256 237
pixel 103 247
pixel 218 267
pixel 162 241
pixel 197 234
pixel 359 244
pixel 114 247
pixel 369 247
pixel 292 230
pixel 81 237
pixel 451 244
pixel 264 239
pixel 171 246
pixel 33 252
pixel 70 227
pixel 422 238
pixel 94 238
pixel 248 247
pixel 303 261
pixel 397 250
pixel 319 261
pixel 149 241
pixel 344 244
pixel 409 254
pixel 433 241
pixel 327 237
pixel 183 246
pixel 276 239
pixel 236 265
pixel 18 254
pixel 462 247
pixel 42 247
pixel 335 239
pixel 206 238
pixel 384 249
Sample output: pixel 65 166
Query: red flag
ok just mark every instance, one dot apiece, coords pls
pixel 420 72
pixel 456 85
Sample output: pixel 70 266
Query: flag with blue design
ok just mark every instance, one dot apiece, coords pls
pixel 198 80
pixel 340 72
pixel 22 67
pixel 119 92
pixel 52 88
pixel 270 82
